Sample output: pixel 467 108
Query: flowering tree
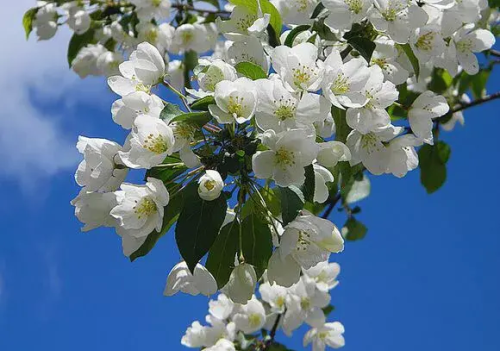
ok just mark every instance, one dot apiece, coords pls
pixel 281 110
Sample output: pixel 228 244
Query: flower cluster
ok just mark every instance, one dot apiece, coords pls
pixel 233 326
pixel 292 105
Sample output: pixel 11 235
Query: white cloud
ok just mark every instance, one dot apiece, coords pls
pixel 34 142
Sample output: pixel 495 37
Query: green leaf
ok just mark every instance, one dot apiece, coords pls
pixel 220 260
pixel 364 46
pixel 167 174
pixel 171 214
pixel 78 42
pixel 317 10
pixel 271 199
pixel 198 225
pixel 309 184
pixel 257 243
pixel 354 229
pixel 267 7
pixel 203 103
pixel 195 118
pixel 250 70
pixel 432 163
pixel 169 112
pixel 411 56
pixel 28 19
pixel 478 84
pixel 292 201
pixel 294 32
pixel 323 30
pixel 328 309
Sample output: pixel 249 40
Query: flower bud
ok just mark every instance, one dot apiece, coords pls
pixel 242 282
pixel 211 185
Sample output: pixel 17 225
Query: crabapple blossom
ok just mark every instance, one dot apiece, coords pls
pixel 332 152
pixel 343 13
pixel 181 279
pixel 280 110
pixel 140 208
pixel 330 334
pixel 373 114
pixel 305 242
pixel 210 185
pixel 124 111
pixel 101 169
pixel 241 283
pixel 250 317
pixel 93 209
pixel 289 153
pixel 151 140
pixel 236 101
pixel 424 109
pixel 343 83
pixel 297 67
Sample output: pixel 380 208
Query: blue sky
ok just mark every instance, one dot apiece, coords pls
pixel 425 277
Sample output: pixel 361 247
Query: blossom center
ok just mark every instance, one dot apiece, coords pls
pixel 254 320
pixel 151 36
pixel 284 158
pixel 209 184
pixel 156 3
pixel 145 208
pixel 340 84
pixel 302 75
pixel 425 41
pixel 285 112
pixel 354 5
pixel 156 144
pixel 305 303
pixel 235 106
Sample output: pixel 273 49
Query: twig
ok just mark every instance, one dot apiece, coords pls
pixel 272 334
pixel 179 94
pixel 495 53
pixel 475 102
pixel 331 206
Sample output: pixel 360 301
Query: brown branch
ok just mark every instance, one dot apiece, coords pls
pixel 331 206
pixel 476 102
pixel 272 334
pixel 495 53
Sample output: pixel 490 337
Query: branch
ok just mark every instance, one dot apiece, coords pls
pixel 476 102
pixel 272 334
pixel 191 8
pixel 331 206
pixel 495 53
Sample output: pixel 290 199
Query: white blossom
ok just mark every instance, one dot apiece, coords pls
pixel 289 153
pixel 424 109
pixel 330 334
pixel 236 101
pixel 380 95
pixel 343 83
pixel 280 110
pixel 151 140
pixel 140 208
pixel 210 185
pixel 181 279
pixel 250 317
pixel 100 169
pixel 241 284
pixel 297 67
pixel 306 241
pixel 93 209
